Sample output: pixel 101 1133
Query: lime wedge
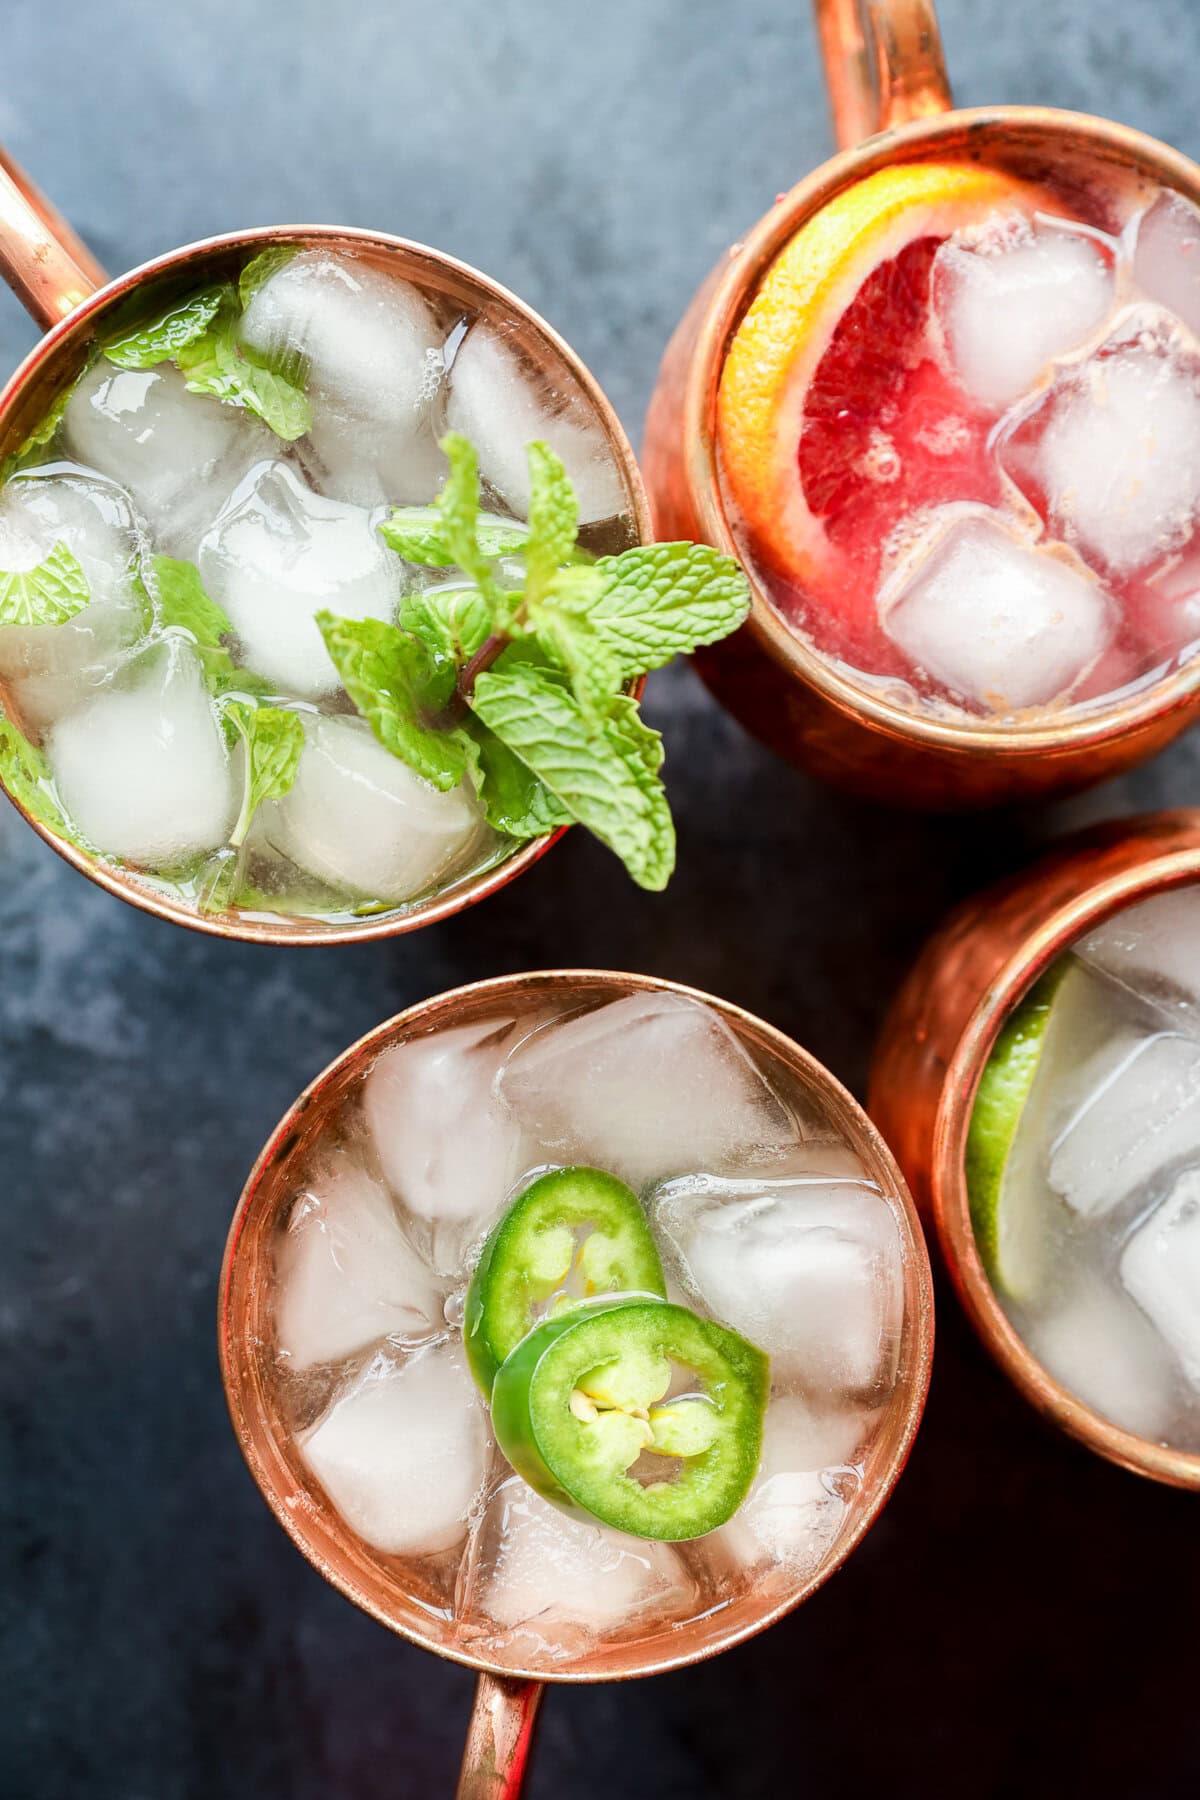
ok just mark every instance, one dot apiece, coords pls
pixel 1004 1088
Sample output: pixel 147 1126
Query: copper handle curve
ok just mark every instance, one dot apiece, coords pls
pixel 883 64
pixel 499 1738
pixel 46 264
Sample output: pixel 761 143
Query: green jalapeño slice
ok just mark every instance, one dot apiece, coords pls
pixel 582 1399
pixel 574 1233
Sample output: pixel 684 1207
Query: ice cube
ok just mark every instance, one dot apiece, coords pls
pixel 1160 1267
pixel 1008 302
pixel 51 667
pixel 448 1150
pixel 362 821
pixel 178 454
pixel 1138 1112
pixel 1114 448
pixel 808 1471
pixel 810 1270
pixel 346 1274
pixel 645 1087
pixel 142 767
pixel 1100 1348
pixel 402 1454
pixel 1153 949
pixel 502 406
pixel 276 555
pixel 534 1564
pixel 1166 256
pixel 371 352
pixel 1002 622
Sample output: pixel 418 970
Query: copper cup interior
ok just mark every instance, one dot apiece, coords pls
pixel 1062 926
pixel 1077 152
pixel 55 362
pixel 297 1501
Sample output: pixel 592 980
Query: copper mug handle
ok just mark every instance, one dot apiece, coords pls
pixel 499 1738
pixel 46 264
pixel 883 64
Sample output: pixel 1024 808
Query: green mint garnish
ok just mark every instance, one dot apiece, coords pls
pixel 163 337
pixel 260 269
pixel 215 363
pixel 30 452
pixel 522 691
pixel 415 533
pixel 273 740
pixel 182 604
pixel 26 774
pixel 48 594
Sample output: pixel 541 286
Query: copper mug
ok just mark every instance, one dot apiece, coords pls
pixel 936 1042
pixel 67 292
pixel 507 1696
pixel 891 102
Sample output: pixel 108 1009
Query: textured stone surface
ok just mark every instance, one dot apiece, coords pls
pixel 162 1641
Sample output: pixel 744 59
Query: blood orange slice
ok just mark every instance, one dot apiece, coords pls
pixel 833 352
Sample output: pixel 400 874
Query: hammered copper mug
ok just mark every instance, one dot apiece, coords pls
pixel 891 102
pixel 507 1694
pixel 59 281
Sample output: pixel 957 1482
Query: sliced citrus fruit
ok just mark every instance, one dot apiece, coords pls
pixel 1005 1214
pixel 833 346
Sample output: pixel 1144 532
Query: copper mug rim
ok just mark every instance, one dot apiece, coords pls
pixel 72 309
pixel 917 123
pixel 1157 872
pixel 258 1438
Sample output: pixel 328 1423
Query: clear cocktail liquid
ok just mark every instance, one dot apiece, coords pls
pixel 1003 446
pixel 764 1219
pixel 138 467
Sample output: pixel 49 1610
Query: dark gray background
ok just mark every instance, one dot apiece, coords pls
pixel 1010 1625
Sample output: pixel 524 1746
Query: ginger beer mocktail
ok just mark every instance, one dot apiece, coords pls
pixel 585 1322
pixel 959 430
pixel 1083 1169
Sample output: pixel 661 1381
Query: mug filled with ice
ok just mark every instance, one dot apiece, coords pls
pixel 576 1325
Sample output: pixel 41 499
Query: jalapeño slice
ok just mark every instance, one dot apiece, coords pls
pixel 582 1399
pixel 572 1228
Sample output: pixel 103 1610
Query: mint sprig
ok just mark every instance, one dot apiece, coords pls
pixel 178 596
pixel 26 774
pixel 50 593
pixel 161 338
pixel 522 690
pixel 273 741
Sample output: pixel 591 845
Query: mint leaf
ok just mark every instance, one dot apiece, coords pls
pixel 605 772
pixel 514 800
pixel 396 683
pixel 553 519
pixel 42 434
pixel 415 533
pixel 50 593
pixel 26 774
pixel 664 599
pixel 274 741
pixel 182 604
pixel 215 364
pixel 162 338
pixel 454 622
pixel 458 505
pixel 260 269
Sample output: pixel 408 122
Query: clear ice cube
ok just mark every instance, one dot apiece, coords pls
pixel 1113 451
pixel 278 554
pixel 363 822
pixel 1136 1111
pixel 1153 950
pixel 533 1565
pixel 402 1453
pixel 1010 300
pixel 371 353
pixel 809 1270
pixel 645 1087
pixel 502 406
pixel 142 767
pixel 346 1275
pixel 1098 1346
pixel 1166 256
pixel 801 1494
pixel 1002 622
pixel 448 1150
pixel 1160 1267
pixel 51 667
pixel 178 454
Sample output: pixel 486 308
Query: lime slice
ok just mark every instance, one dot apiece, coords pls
pixel 1008 1239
